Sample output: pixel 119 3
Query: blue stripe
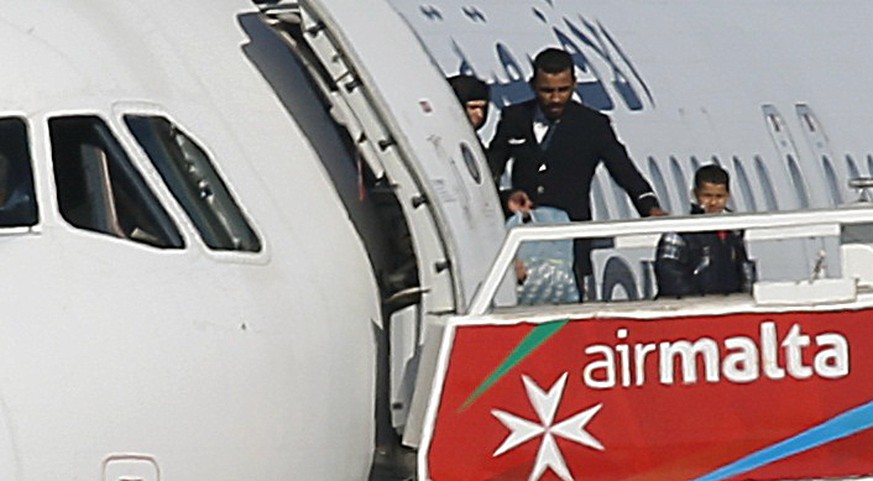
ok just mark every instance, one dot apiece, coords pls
pixel 842 426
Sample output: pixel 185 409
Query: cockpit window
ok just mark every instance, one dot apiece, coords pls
pixel 17 202
pixel 192 178
pixel 100 190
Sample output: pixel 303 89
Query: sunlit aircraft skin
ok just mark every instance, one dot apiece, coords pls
pixel 125 361
pixel 224 323
pixel 129 353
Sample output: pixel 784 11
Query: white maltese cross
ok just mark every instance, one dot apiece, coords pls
pixel 546 405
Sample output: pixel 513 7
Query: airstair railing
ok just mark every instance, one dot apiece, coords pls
pixel 786 225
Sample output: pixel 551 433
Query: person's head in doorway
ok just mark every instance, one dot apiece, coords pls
pixel 474 96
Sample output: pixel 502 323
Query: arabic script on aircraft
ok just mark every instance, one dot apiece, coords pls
pixel 607 75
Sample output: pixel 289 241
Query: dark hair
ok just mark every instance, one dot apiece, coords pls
pixel 469 88
pixel 552 61
pixel 712 174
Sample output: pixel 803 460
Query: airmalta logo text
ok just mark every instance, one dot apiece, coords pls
pixel 699 398
pixel 745 359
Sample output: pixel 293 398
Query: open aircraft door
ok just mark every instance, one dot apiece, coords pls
pixel 407 126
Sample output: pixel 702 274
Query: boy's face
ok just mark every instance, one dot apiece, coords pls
pixel 712 197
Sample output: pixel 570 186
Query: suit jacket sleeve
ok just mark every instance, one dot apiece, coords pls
pixel 498 150
pixel 623 170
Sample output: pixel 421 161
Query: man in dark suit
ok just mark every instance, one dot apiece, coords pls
pixel 557 143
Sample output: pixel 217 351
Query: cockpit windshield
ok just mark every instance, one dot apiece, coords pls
pixel 17 202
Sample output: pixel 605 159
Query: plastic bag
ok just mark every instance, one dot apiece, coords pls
pixel 549 264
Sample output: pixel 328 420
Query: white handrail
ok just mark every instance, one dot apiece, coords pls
pixel 698 223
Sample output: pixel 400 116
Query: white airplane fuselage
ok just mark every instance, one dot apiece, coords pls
pixel 266 359
pixel 207 289
pixel 122 359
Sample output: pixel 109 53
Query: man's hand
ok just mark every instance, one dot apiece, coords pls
pixel 657 212
pixel 519 201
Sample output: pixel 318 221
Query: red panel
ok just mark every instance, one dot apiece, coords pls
pixel 657 431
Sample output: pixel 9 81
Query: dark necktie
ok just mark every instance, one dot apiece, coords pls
pixel 547 139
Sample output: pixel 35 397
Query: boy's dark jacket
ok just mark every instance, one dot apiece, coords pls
pixel 701 263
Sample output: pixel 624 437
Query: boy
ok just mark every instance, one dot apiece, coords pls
pixel 702 263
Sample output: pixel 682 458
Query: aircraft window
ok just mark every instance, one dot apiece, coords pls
pixel 852 167
pixel 17 200
pixel 833 183
pixel 679 177
pixel 745 185
pixel 660 185
pixel 100 190
pixel 766 184
pixel 870 164
pixel 191 177
pixel 797 180
pixel 716 161
pixel 695 164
